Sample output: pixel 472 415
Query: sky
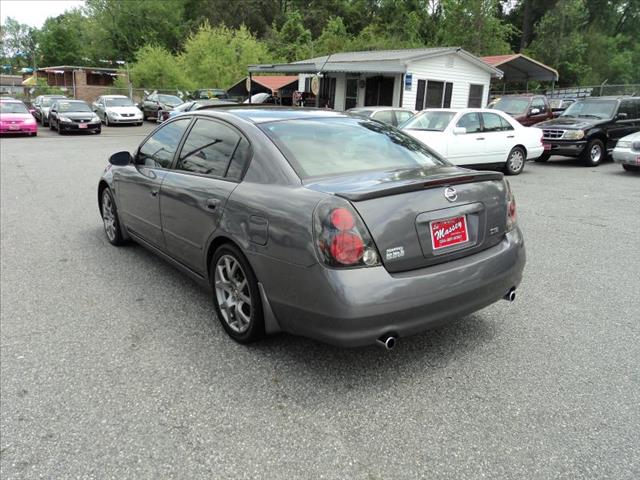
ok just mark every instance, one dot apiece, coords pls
pixel 35 12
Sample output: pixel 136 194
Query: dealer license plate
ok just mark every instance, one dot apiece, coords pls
pixel 14 127
pixel 83 125
pixel 449 232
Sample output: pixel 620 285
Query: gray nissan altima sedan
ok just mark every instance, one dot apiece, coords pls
pixel 316 223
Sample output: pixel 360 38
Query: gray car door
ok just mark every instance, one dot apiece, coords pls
pixel 138 186
pixel 194 193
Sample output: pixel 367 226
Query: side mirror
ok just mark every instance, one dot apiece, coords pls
pixel 32 111
pixel 121 159
pixel 534 111
pixel 459 130
pixel 621 116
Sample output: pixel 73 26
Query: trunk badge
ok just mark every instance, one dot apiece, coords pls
pixel 450 194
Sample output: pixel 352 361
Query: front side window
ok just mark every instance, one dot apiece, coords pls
pixel 470 121
pixel 336 146
pixel 539 104
pixel 628 107
pixel 208 148
pixel 432 120
pixel 159 149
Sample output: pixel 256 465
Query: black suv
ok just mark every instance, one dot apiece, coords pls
pixel 590 128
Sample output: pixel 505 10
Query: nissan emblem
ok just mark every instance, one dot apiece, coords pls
pixel 450 194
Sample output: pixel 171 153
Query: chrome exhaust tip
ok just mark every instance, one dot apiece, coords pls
pixel 388 342
pixel 511 294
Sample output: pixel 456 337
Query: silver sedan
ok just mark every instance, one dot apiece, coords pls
pixel 627 152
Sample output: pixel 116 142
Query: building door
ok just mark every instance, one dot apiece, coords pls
pixel 351 94
pixel 379 91
pixel 327 94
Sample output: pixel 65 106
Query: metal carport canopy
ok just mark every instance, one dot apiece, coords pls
pixel 520 68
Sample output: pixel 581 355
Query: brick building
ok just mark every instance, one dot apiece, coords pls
pixel 82 83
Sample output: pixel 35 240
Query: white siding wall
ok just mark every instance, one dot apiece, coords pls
pixel 447 68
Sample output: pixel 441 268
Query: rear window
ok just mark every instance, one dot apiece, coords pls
pixel 328 147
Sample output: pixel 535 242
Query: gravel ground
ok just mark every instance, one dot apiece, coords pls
pixel 113 365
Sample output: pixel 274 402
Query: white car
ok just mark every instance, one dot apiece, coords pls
pixel 474 136
pixel 627 152
pixel 117 109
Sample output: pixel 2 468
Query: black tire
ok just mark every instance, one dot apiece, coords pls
pixel 515 161
pixel 158 116
pixel 631 168
pixel 106 120
pixel 59 128
pixel 254 328
pixel 543 158
pixel 50 126
pixel 111 223
pixel 144 117
pixel 45 123
pixel 590 157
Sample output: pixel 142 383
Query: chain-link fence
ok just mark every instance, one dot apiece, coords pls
pixel 574 92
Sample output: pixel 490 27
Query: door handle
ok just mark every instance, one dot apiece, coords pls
pixel 511 136
pixel 212 203
pixel 479 138
pixel 154 192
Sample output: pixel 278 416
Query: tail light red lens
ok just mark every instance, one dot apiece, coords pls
pixel 342 239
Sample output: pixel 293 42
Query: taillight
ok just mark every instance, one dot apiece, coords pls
pixel 511 208
pixel 341 238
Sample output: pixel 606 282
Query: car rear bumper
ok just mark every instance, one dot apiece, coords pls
pixel 626 156
pixel 354 307
pixel 567 149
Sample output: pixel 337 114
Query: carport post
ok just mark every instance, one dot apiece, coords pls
pixel 250 85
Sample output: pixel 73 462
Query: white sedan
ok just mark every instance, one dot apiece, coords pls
pixel 474 137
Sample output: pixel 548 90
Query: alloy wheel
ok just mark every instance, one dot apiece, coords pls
pixel 108 216
pixel 516 160
pixel 233 294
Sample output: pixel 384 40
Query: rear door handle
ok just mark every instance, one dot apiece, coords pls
pixel 154 192
pixel 511 136
pixel 479 138
pixel 212 203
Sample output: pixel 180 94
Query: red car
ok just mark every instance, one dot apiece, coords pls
pixel 526 109
pixel 15 118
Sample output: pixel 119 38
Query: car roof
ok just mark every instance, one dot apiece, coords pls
pixel 10 100
pixel 114 96
pixel 376 109
pixel 270 113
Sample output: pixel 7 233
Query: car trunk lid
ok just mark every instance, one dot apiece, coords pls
pixel 413 223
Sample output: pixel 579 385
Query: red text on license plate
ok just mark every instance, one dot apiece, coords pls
pixel 546 146
pixel 83 125
pixel 449 232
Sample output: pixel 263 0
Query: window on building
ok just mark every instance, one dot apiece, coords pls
pixel 433 94
pixel 475 96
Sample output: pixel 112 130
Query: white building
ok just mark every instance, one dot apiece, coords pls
pixel 414 78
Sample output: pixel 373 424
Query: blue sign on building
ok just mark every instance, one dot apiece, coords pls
pixel 408 81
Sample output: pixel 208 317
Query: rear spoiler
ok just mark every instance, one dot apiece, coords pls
pixel 394 188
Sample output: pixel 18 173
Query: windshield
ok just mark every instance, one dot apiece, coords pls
pixel 47 102
pixel 435 121
pixel 13 107
pixel 170 100
pixel 512 106
pixel 591 109
pixel 73 107
pixel 327 147
pixel 118 102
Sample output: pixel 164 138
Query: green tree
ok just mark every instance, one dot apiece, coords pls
pixel 293 40
pixel 474 26
pixel 156 67
pixel 334 38
pixel 18 44
pixel 560 41
pixel 63 40
pixel 121 28
pixel 218 56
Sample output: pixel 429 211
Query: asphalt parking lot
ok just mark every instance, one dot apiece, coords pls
pixel 113 364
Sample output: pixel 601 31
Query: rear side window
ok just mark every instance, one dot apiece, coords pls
pixel 208 148
pixel 492 122
pixel 159 149
pixel 470 121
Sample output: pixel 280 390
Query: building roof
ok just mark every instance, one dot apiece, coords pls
pixel 518 67
pixel 75 67
pixel 374 61
pixel 275 82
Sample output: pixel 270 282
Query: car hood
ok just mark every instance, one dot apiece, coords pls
pixel 121 110
pixel 13 117
pixel 571 123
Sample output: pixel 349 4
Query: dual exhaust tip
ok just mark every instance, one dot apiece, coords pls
pixel 389 341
